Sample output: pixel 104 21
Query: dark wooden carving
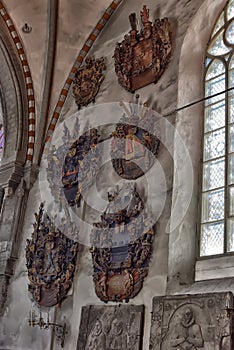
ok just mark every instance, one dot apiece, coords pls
pixel 51 261
pixel 195 321
pixel 111 327
pixel 121 247
pixel 80 166
pixel 88 80
pixel 133 148
pixel 142 57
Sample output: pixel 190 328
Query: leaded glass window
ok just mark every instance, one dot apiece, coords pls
pixel 217 202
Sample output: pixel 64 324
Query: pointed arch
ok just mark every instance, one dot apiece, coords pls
pixel 27 80
pixel 83 52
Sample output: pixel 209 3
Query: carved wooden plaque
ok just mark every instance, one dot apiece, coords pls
pixel 80 166
pixel 88 80
pixel 51 261
pixel 134 148
pixel 121 247
pixel 111 328
pixel 142 57
pixel 193 322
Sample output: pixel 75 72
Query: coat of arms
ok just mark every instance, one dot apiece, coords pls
pixel 80 166
pixel 51 261
pixel 133 147
pixel 121 246
pixel 142 57
pixel 88 80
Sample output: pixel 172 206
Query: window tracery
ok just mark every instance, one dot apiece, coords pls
pixel 217 203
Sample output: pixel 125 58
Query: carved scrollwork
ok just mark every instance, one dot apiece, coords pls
pixel 142 57
pixel 121 247
pixel 88 80
pixel 50 260
pixel 80 165
pixel 133 147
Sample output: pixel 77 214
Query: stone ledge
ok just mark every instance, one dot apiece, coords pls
pixel 214 268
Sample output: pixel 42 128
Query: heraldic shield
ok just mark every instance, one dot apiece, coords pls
pixel 80 166
pixel 88 80
pixel 133 147
pixel 51 260
pixel 121 246
pixel 142 57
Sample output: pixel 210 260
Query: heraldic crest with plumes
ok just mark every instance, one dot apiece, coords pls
pixel 133 148
pixel 142 57
pixel 121 246
pixel 50 260
pixel 88 80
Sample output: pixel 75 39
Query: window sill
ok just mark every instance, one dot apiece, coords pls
pixel 209 269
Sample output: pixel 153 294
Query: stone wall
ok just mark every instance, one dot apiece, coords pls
pixel 173 260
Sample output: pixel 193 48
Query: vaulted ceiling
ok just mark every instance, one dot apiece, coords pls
pixel 62 25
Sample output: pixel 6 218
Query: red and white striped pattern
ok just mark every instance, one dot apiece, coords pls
pixel 28 81
pixel 85 49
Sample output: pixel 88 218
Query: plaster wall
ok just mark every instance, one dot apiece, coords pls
pixel 174 253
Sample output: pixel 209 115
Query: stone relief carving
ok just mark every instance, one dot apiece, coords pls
pixel 133 148
pixel 88 80
pixel 191 322
pixel 121 246
pixel 187 333
pixel 111 328
pixel 50 260
pixel 142 57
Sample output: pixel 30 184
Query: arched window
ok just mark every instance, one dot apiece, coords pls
pixel 217 203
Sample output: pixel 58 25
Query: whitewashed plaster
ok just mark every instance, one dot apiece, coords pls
pixel 180 84
pixel 76 19
pixel 34 13
pixel 183 239
pixel 75 22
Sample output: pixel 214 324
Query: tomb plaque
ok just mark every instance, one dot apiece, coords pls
pixel 195 322
pixel 111 327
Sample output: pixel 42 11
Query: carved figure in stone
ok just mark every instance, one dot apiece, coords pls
pixel 142 57
pixel 187 335
pixel 133 148
pixel 117 337
pixel 110 327
pixel 192 321
pixel 88 80
pixel 80 166
pixel 121 246
pixel 51 259
pixel 96 339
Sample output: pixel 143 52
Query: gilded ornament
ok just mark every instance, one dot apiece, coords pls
pixel 142 57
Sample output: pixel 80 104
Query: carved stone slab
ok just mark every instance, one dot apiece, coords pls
pixel 111 327
pixel 191 322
